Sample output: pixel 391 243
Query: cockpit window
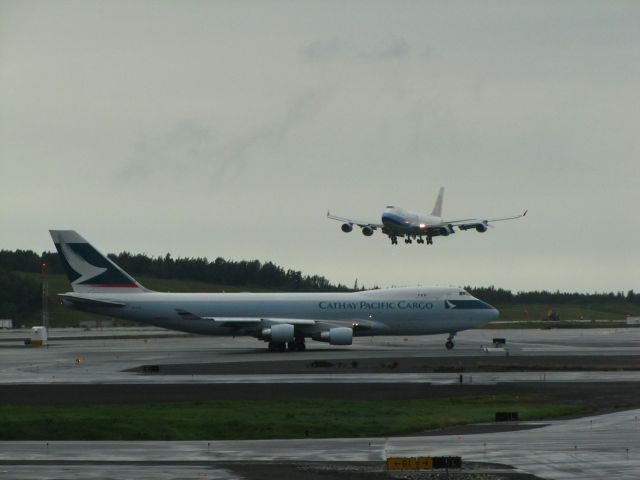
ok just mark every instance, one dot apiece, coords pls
pixel 462 292
pixel 390 206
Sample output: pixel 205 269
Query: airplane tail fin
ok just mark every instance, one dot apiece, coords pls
pixel 437 208
pixel 88 270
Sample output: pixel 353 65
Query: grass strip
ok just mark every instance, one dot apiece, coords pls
pixel 260 419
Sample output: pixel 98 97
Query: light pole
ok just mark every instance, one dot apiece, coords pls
pixel 45 295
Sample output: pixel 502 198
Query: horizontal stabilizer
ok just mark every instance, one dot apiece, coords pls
pixel 91 301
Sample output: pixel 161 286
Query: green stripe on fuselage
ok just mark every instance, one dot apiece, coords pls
pixel 467 304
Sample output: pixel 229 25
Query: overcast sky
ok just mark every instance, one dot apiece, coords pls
pixel 230 128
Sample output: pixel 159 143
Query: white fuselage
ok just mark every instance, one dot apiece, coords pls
pixel 401 221
pixel 395 311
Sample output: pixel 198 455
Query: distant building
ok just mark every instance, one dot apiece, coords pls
pixel 6 323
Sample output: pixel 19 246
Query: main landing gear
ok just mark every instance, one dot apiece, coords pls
pixel 450 343
pixel 277 346
pixel 408 240
pixel 297 345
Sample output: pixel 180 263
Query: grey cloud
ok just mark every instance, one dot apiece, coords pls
pixel 204 151
pixel 389 48
pixel 323 49
pixel 192 151
pixel 189 143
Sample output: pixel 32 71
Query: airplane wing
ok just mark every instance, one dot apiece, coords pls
pixel 480 224
pixel 508 218
pixel 352 221
pixel 299 323
pixel 250 324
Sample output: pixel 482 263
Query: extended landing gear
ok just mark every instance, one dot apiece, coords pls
pixel 407 240
pixel 450 343
pixel 277 346
pixel 297 345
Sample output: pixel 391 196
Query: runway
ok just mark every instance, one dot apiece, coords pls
pixel 603 368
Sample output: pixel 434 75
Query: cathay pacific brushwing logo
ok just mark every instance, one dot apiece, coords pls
pixel 80 265
pixel 466 304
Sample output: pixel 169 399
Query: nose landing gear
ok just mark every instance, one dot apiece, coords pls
pixel 450 343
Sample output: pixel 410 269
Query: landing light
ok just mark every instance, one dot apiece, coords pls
pixel 423 225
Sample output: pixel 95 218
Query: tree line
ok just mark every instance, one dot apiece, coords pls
pixel 20 296
pixel 228 272
pixel 500 296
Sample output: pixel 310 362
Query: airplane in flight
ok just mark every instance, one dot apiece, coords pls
pixel 398 222
pixel 284 320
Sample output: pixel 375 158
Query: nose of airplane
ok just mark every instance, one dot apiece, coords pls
pixel 492 313
pixel 489 313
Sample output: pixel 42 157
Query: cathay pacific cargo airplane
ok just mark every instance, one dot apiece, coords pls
pixel 284 320
pixel 398 222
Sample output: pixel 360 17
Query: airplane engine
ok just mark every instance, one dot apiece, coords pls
pixel 481 228
pixel 282 332
pixel 367 231
pixel 347 227
pixel 336 336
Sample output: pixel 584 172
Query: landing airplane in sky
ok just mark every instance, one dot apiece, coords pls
pixel 284 320
pixel 398 222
